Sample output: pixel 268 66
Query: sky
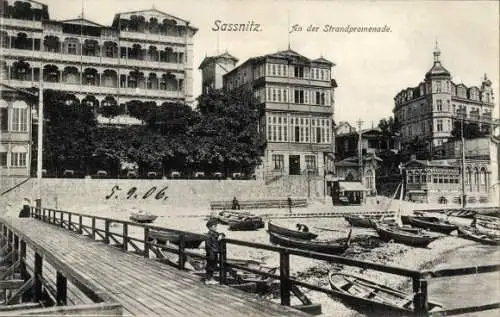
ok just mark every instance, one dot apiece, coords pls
pixel 371 68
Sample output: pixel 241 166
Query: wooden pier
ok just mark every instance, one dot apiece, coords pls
pixel 116 282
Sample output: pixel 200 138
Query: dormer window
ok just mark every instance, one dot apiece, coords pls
pixel 299 72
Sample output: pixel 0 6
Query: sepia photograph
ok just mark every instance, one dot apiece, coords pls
pixel 249 158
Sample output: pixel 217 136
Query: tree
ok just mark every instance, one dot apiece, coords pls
pixel 227 132
pixel 68 141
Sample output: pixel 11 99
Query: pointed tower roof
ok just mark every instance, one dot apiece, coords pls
pixel 437 69
pixel 215 59
pixel 486 81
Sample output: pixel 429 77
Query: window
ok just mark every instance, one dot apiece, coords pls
pixel 19 120
pixel 311 162
pixel 299 71
pixel 439 105
pixel 273 70
pixel 439 125
pixel 278 161
pixel 3 159
pixel 438 86
pixel 299 96
pixel 72 48
pixel 4 119
pixel 109 51
pixel 18 159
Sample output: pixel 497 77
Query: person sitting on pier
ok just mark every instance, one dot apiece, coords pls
pixel 212 250
pixel 236 204
pixel 473 223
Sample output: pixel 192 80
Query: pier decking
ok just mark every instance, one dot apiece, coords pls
pixel 142 286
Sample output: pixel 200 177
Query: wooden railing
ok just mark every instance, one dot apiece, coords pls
pixel 99 228
pixel 15 246
pixel 74 222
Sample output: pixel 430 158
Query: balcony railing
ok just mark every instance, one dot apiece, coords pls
pixel 21 23
pixel 153 37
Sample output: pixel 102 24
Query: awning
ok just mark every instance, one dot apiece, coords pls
pixel 352 187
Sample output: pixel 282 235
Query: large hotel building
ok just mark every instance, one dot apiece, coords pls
pixel 298 97
pixel 143 55
pixel 428 110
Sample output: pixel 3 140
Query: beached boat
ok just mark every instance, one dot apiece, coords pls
pixel 432 223
pixel 191 240
pixel 478 236
pixel 385 221
pixel 385 301
pixel 401 235
pixel 322 246
pixel 462 213
pixel 489 225
pixel 271 227
pixel 228 215
pixel 246 223
pixel 142 217
pixel 360 221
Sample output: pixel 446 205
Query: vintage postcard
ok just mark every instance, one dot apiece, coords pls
pixel 249 158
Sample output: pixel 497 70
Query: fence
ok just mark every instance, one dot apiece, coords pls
pixel 419 278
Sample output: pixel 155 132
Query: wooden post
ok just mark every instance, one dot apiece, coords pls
pixel 93 228
pixel 16 249
pixel 61 218
pixel 420 303
pixel 38 204
pixel 182 256
pixel 106 231
pixel 62 289
pixel 146 242
pixel 22 268
pixel 285 286
pixel 43 215
pixel 38 277
pixel 80 225
pixel 222 261
pixel 69 221
pixel 125 237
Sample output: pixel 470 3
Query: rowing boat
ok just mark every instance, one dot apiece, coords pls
pixel 432 223
pixel 246 223
pixel 400 235
pixel 478 236
pixel 226 216
pixel 322 246
pixel 191 240
pixel 360 221
pixel 273 228
pixel 374 298
pixel 142 217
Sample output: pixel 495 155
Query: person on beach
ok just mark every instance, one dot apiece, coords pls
pixel 212 250
pixel 25 211
pixel 473 223
pixel 236 204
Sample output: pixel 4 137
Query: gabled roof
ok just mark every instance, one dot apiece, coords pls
pixel 154 12
pixel 215 59
pixel 82 21
pixel 323 61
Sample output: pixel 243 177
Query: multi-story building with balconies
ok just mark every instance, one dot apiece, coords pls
pixel 427 112
pixel 298 97
pixel 144 55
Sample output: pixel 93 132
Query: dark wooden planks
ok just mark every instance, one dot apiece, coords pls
pixel 144 286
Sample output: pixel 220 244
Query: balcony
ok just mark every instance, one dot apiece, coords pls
pixel 11 136
pixel 299 107
pixel 141 37
pixel 298 81
pixel 17 23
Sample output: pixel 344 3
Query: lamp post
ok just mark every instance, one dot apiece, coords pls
pixel 463 160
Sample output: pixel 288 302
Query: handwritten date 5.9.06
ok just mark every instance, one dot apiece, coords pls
pixel 132 193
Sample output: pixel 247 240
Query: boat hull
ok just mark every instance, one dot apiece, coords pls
pixel 191 241
pixel 246 225
pixel 290 233
pixel 372 298
pixel 432 224
pixel 143 218
pixel 475 235
pixel 358 221
pixel 316 246
pixel 387 233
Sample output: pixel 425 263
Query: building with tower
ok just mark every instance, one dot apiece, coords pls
pixel 143 55
pixel 427 111
pixel 213 68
